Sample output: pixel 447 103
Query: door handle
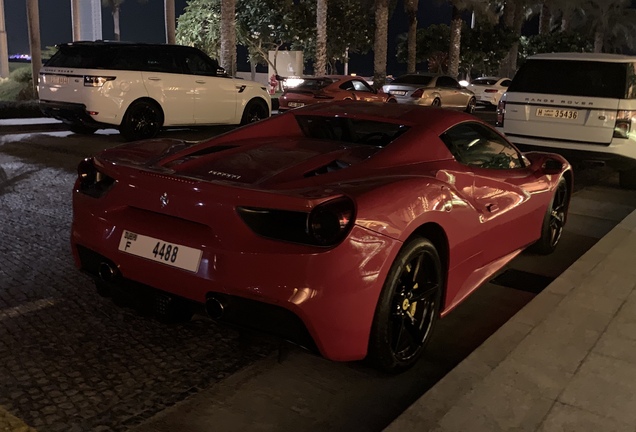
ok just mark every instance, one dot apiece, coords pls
pixel 492 207
pixel 154 78
pixel 200 82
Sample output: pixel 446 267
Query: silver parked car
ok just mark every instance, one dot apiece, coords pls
pixel 431 90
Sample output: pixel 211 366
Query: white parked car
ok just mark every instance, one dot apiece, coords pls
pixel 582 105
pixel 488 90
pixel 141 88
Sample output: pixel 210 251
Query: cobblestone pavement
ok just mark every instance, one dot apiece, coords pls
pixel 69 359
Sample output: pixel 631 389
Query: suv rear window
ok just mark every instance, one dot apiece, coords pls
pixel 575 78
pixel 484 81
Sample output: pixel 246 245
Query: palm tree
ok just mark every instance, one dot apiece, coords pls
pixel 169 15
pixel 228 36
pixel 115 9
pixel 380 43
pixel 545 17
pixel 33 21
pixel 611 19
pixel 410 7
pixel 4 50
pixel 320 67
pixel 481 8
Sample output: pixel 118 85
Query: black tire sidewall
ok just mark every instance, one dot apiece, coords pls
pixel 250 107
pixel 380 352
pixel 543 246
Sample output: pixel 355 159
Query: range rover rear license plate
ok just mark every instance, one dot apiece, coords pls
pixel 558 113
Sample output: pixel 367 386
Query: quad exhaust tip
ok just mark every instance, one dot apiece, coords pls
pixel 107 272
pixel 214 307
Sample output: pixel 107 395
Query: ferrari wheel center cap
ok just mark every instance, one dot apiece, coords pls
pixel 406 304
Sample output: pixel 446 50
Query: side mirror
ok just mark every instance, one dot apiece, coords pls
pixel 552 166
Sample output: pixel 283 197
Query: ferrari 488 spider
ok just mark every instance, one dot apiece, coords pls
pixel 347 227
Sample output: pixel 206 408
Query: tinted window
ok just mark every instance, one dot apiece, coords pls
pixel 572 78
pixel 365 132
pixel 506 83
pixel 484 81
pixel 445 81
pixel 413 79
pixel 199 64
pixel 361 87
pixel 315 84
pixel 80 56
pixel 477 145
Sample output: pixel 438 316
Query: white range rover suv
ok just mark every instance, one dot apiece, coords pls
pixel 582 105
pixel 141 88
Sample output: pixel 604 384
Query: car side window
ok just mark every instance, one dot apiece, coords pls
pixel 347 85
pixel 445 81
pixel 198 64
pixel 154 60
pixel 477 145
pixel 361 87
pixel 506 83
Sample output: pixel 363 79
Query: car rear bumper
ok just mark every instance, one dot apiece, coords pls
pixel 68 112
pixel 333 293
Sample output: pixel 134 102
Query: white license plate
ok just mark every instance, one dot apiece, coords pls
pixel 154 249
pixel 397 92
pixel 295 104
pixel 557 113
pixel 56 79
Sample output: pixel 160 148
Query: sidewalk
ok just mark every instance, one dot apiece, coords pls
pixel 565 362
pixel 30 125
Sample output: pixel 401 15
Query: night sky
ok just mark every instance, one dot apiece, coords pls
pixel 55 26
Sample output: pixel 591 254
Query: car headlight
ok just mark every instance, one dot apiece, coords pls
pixel 326 225
pixel 91 181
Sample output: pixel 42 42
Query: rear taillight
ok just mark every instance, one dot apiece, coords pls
pixel 91 181
pixel 624 122
pixel 490 91
pixel 501 113
pixel 417 93
pixel 96 81
pixel 326 225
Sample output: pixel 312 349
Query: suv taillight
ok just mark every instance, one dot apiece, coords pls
pixel 624 121
pixel 96 81
pixel 501 113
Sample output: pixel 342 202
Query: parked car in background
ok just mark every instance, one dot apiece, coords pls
pixel 345 226
pixel 141 88
pixel 582 105
pixel 431 90
pixel 330 88
pixel 488 90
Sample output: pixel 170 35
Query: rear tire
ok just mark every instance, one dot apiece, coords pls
pixel 255 110
pixel 142 120
pixel 627 179
pixel 436 102
pixel 470 108
pixel 82 129
pixel 408 307
pixel 554 221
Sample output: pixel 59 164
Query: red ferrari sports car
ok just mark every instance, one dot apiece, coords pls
pixel 331 88
pixel 343 225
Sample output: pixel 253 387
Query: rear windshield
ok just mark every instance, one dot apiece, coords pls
pixel 367 132
pixel 413 79
pixel 315 84
pixel 575 78
pixel 484 81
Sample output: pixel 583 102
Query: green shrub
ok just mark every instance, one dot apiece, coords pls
pixel 22 109
pixel 18 87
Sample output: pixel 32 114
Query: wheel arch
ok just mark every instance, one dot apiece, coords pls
pixel 436 234
pixel 144 99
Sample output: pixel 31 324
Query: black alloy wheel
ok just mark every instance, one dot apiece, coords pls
pixel 143 120
pixel 408 307
pixel 254 111
pixel 554 220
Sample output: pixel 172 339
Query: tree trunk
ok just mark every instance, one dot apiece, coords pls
pixel 75 15
pixel 320 68
pixel 228 36
pixel 599 38
pixel 253 70
pixel 455 43
pixel 509 21
pixel 544 19
pixel 380 43
pixel 169 15
pixel 33 22
pixel 116 8
pixel 4 49
pixel 509 13
pixel 411 12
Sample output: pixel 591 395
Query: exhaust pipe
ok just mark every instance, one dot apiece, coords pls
pixel 107 272
pixel 214 307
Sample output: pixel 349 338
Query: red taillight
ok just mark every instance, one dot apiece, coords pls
pixel 624 121
pixel 417 93
pixel 490 91
pixel 501 113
